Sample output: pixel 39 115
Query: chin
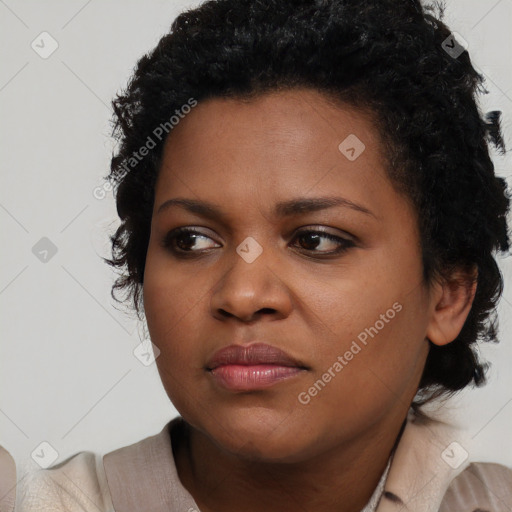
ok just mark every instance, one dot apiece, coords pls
pixel 258 447
pixel 259 434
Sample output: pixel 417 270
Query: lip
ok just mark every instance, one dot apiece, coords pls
pixel 251 367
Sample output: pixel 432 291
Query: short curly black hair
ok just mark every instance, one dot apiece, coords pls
pixel 390 57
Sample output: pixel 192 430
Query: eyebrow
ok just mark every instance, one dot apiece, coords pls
pixel 288 208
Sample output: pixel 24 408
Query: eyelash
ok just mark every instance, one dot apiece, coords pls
pixel 169 241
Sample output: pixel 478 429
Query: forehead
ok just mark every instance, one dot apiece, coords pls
pixel 273 147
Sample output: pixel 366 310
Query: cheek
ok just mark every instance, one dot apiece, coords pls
pixel 169 306
pixel 356 306
pixel 370 347
pixel 171 302
pixel 371 358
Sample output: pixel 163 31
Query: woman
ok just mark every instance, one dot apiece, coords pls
pixel 309 217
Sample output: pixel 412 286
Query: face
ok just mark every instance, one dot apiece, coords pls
pixel 308 249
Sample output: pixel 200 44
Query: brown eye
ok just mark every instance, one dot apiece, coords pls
pixel 186 240
pixel 313 240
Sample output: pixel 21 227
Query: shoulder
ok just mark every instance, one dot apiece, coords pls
pixel 90 482
pixel 482 487
pixel 77 484
pixel 143 476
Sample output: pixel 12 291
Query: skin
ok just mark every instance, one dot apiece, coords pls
pixel 264 449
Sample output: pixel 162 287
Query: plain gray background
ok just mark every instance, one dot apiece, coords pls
pixel 68 373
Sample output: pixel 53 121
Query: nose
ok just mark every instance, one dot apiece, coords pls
pixel 251 291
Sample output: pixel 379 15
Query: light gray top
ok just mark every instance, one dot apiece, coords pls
pixel 421 477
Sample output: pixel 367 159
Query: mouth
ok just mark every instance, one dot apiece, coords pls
pixel 253 367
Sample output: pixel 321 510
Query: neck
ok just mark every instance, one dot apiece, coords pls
pixel 342 479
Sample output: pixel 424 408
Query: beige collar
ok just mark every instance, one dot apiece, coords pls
pixel 430 454
pixel 143 476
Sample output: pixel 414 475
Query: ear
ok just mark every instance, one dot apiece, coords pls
pixel 451 304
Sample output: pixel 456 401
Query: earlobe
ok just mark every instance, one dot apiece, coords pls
pixel 451 304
